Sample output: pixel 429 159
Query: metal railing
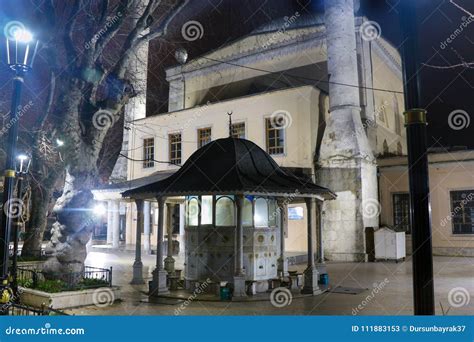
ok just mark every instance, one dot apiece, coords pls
pixel 24 310
pixel 91 277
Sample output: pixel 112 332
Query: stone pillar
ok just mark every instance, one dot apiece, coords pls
pixel 176 93
pixel 311 275
pixel 346 164
pixel 239 275
pixel 169 261
pixel 115 224
pixel 158 284
pixel 182 240
pixel 146 227
pixel 282 223
pixel 138 265
pixel 320 265
pixel 109 223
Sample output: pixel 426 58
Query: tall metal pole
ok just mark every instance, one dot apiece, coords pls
pixel 415 122
pixel 16 230
pixel 9 180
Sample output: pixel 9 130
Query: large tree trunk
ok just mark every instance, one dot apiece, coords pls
pixel 71 232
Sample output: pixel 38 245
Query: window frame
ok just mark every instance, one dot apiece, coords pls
pixel 244 129
pixel 170 148
pixel 268 126
pixel 452 208
pixel 148 162
pixel 404 193
pixel 201 139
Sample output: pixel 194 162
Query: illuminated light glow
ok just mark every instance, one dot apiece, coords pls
pixel 99 210
pixel 59 142
pixel 22 35
pixel 22 157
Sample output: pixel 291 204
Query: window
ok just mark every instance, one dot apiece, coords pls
pixel 192 212
pixel 401 212
pixel 148 152
pixel 225 213
pixel 273 212
pixel 204 136
pixel 238 130
pixel 206 210
pixel 261 212
pixel 462 211
pixel 295 213
pixel 175 148
pixel 247 212
pixel 275 134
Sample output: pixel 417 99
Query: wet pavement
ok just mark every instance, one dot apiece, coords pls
pixel 388 291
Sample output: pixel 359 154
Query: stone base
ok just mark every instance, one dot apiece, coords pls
pixel 137 273
pixel 239 287
pixel 169 265
pixel 311 277
pixel 157 286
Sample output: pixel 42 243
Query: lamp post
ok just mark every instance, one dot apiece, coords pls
pixel 415 122
pixel 23 165
pixel 21 49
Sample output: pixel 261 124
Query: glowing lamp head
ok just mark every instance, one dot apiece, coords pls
pixel 99 210
pixel 59 142
pixel 22 35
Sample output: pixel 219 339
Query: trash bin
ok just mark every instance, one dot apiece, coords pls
pixel 225 293
pixel 324 279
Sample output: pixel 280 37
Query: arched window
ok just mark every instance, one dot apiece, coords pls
pixel 261 212
pixel 225 211
pixel 247 213
pixel 206 210
pixel 192 212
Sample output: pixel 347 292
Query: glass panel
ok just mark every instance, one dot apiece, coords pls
pixel 247 213
pixel 261 212
pixel 462 211
pixel 206 210
pixel 225 212
pixel 192 212
pixel 272 213
pixel 401 212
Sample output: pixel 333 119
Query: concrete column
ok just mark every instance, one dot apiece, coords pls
pixel 109 223
pixel 311 274
pixel 146 227
pixel 115 224
pixel 346 164
pixel 239 276
pixel 169 261
pixel 282 223
pixel 182 240
pixel 320 264
pixel 138 265
pixel 158 284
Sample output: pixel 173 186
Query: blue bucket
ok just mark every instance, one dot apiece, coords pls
pixel 324 279
pixel 225 293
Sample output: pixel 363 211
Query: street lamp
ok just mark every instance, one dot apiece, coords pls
pixel 21 49
pixel 22 168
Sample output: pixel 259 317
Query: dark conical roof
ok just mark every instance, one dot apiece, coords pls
pixel 230 166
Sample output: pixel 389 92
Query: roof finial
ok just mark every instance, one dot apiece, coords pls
pixel 230 124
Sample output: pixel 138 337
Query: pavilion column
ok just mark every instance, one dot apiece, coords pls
pixel 146 227
pixel 169 261
pixel 321 265
pixel 158 284
pixel 138 265
pixel 115 224
pixel 239 275
pixel 109 222
pixel 311 274
pixel 283 224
